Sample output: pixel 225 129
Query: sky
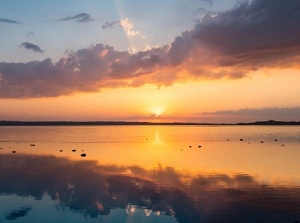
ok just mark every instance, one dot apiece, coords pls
pixel 215 61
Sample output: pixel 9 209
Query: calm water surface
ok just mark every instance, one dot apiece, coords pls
pixel 150 174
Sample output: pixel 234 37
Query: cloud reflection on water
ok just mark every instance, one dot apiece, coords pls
pixel 18 213
pixel 94 190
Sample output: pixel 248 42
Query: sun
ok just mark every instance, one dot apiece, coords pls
pixel 157 111
pixel 157 114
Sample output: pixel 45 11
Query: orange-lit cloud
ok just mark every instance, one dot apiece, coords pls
pixel 253 35
pixel 126 24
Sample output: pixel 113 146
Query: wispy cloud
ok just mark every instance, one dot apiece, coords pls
pixel 81 17
pixel 31 46
pixel 30 34
pixel 9 21
pixel 251 36
pixel 110 24
pixel 255 114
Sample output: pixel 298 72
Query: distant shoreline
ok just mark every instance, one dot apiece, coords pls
pixel 124 123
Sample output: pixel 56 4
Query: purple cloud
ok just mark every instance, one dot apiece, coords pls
pixel 81 17
pixel 255 114
pixel 31 46
pixel 253 35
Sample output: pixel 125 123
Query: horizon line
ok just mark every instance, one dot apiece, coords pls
pixel 110 122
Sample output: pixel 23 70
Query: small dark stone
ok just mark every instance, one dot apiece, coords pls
pixel 241 139
pixel 13 151
pixel 275 140
pixel 199 146
pixel 190 146
pixel 282 145
pixel 83 155
pixel 73 150
pixel 32 144
pixel 261 141
pixel 227 139
pixel 61 150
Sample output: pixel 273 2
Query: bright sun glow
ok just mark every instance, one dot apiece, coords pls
pixel 157 111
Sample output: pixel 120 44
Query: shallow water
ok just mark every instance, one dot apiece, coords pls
pixel 150 174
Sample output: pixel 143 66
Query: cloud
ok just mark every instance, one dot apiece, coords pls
pixel 126 24
pixel 31 46
pixel 252 114
pixel 9 21
pixel 128 27
pixel 30 34
pixel 254 35
pixel 110 24
pixel 81 17
pixel 86 70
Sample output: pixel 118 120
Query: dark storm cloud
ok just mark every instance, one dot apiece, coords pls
pixel 9 21
pixel 81 17
pixel 31 46
pixel 253 35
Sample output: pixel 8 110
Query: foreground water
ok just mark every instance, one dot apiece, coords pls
pixel 150 174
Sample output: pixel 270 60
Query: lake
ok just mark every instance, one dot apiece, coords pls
pixel 160 174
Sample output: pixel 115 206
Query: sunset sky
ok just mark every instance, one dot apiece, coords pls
pixel 221 61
